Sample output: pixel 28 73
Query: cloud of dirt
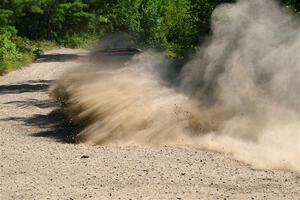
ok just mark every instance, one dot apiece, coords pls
pixel 239 95
pixel 132 104
pixel 251 68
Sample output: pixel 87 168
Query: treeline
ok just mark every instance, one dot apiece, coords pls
pixel 173 25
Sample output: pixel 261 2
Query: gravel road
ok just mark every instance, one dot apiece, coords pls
pixel 36 163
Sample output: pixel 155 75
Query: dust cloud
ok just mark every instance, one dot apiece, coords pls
pixel 240 94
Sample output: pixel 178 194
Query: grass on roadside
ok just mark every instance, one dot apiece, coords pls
pixel 16 51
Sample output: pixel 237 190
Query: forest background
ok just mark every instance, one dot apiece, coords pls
pixel 28 27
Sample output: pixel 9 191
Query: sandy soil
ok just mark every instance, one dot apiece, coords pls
pixel 37 163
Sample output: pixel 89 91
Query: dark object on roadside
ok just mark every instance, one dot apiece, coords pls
pixel 84 156
pixel 114 55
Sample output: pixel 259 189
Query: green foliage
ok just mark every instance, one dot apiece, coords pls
pixel 9 54
pixel 16 51
pixel 294 5
pixel 5 17
pixel 78 41
pixel 176 26
pixel 71 18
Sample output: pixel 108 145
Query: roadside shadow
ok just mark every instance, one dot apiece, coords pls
pixel 28 86
pixel 33 102
pixel 55 125
pixel 57 57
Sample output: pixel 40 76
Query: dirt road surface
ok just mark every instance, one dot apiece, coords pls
pixel 37 164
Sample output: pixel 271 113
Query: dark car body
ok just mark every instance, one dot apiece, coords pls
pixel 114 55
